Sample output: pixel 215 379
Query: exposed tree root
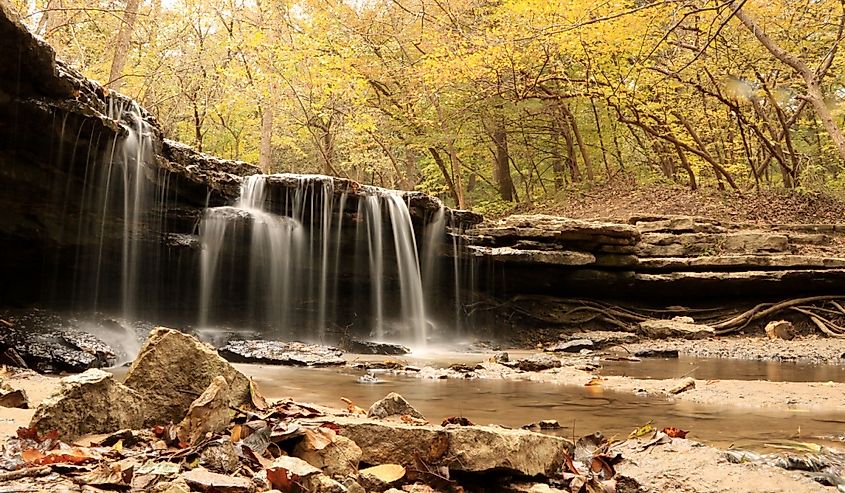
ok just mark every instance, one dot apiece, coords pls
pixel 826 313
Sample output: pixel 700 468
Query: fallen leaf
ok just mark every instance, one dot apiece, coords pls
pixel 282 479
pixel 594 382
pixel 659 439
pixel 387 473
pixel 457 420
pixel 258 400
pixel 352 408
pixel 673 432
pixel 642 430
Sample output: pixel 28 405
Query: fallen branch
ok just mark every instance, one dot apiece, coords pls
pixel 29 472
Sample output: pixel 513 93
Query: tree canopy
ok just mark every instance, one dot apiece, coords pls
pixel 486 103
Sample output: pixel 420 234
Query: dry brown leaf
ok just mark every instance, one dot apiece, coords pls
pixel 675 432
pixel 283 480
pixel 388 473
pixel 594 382
pixel 352 408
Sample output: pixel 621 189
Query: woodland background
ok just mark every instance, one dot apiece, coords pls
pixel 488 104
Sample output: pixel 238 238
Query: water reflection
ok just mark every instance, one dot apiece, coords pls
pixel 725 369
pixel 579 410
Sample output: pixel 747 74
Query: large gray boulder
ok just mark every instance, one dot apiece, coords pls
pixel 460 448
pixel 91 402
pixel 172 369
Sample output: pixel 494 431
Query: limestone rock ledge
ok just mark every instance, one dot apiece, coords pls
pixel 657 256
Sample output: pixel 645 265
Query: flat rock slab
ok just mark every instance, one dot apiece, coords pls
pixel 572 346
pixel 665 329
pixel 281 353
pixel 373 347
pixel 535 362
pixel 516 255
pixel 461 448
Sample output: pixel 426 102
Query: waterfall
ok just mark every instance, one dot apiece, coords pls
pixel 118 187
pixel 407 259
pixel 292 244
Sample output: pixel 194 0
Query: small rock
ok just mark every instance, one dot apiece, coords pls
pixel 664 329
pixel 202 479
pixel 686 384
pixel 657 353
pixel 393 404
pixel 780 329
pixel 501 358
pixel 572 346
pixel 310 478
pixel 177 486
pixel 220 456
pixel 13 398
pixel 536 362
pixel 544 424
pixel 337 459
pixel 209 413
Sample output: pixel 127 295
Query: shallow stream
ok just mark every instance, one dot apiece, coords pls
pixel 580 410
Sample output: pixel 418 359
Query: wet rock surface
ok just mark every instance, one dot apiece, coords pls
pixel 372 347
pixel 281 353
pixel 48 344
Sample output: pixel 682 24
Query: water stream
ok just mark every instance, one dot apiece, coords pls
pixel 579 410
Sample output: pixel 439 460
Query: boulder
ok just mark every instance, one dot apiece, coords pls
pixel 682 329
pixel 461 448
pixel 281 353
pixel 338 458
pixel 172 368
pixel 209 413
pixel 780 329
pixel 91 402
pixel 393 404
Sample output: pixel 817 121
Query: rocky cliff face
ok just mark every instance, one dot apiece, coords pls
pixel 659 259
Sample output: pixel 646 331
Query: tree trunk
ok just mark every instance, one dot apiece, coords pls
pixel 438 160
pixel 265 149
pixel 501 169
pixel 811 78
pixel 121 44
pixel 582 147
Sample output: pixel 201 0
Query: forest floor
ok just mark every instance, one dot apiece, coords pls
pixel 620 199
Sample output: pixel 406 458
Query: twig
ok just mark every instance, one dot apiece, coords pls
pixel 29 472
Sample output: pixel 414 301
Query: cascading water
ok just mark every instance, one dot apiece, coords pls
pixel 293 244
